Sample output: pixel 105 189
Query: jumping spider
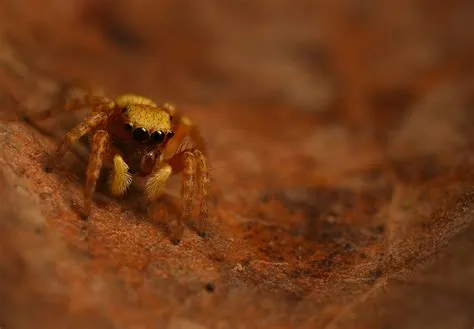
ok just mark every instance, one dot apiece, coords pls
pixel 132 135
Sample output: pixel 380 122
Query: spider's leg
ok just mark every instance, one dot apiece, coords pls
pixel 183 127
pixel 187 161
pixel 203 191
pixel 119 179
pixel 184 162
pixel 68 99
pixel 90 122
pixel 98 150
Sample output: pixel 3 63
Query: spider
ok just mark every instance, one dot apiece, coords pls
pixel 133 136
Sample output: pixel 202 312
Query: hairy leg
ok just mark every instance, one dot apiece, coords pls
pixel 69 98
pixel 92 121
pixel 119 179
pixel 203 191
pixel 183 127
pixel 98 149
pixel 184 162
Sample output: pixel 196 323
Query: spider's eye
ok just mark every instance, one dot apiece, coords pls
pixel 128 126
pixel 125 109
pixel 140 134
pixel 170 134
pixel 158 136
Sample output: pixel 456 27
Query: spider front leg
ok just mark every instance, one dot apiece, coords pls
pixel 203 191
pixel 186 163
pixel 195 177
pixel 99 147
pixel 93 120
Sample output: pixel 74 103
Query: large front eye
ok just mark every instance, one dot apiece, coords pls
pixel 140 135
pixel 158 137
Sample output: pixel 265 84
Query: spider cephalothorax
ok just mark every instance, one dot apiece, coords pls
pixel 132 135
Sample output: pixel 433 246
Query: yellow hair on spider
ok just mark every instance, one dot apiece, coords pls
pixel 155 185
pixel 119 179
pixel 144 113
pixel 149 117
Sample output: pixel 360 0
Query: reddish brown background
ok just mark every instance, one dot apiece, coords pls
pixel 340 135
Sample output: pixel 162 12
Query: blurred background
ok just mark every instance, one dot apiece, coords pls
pixel 356 116
pixel 360 58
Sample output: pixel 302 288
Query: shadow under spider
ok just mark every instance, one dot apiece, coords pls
pixel 161 212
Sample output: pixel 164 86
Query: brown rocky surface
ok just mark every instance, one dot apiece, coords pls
pixel 341 144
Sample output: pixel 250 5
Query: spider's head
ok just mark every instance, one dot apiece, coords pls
pixel 146 123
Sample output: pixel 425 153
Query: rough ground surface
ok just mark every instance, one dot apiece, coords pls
pixel 341 145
